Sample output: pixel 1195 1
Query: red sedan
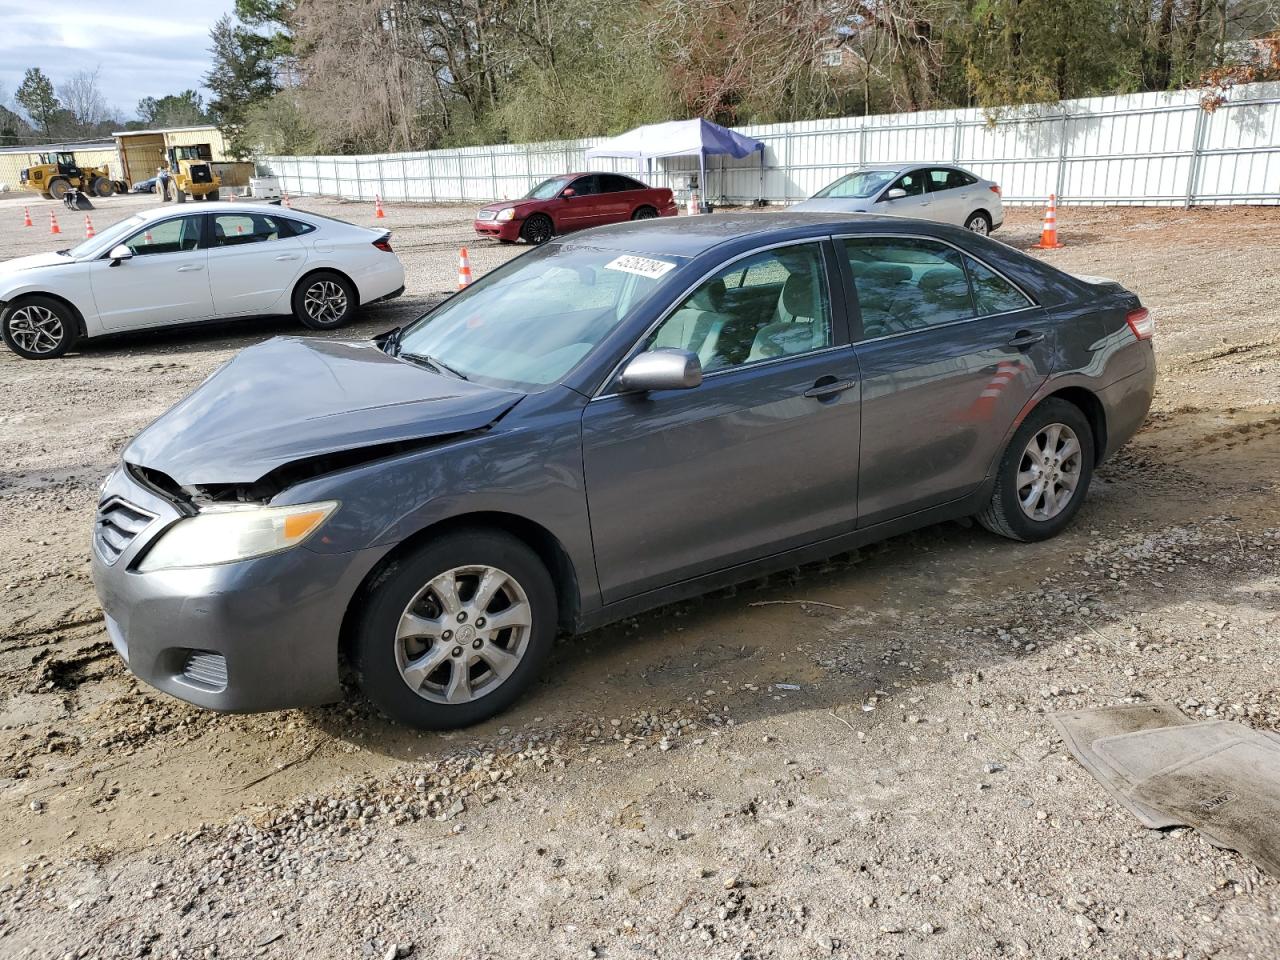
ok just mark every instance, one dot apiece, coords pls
pixel 574 201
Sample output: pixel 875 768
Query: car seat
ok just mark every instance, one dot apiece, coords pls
pixel 800 329
pixel 696 326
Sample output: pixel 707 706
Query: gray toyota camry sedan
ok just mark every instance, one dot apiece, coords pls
pixel 610 422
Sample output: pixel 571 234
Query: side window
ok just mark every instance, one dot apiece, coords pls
pixel 942 180
pixel 169 236
pixel 772 304
pixel 992 293
pixel 912 182
pixel 295 227
pixel 614 183
pixel 585 186
pixel 907 284
pixel 233 229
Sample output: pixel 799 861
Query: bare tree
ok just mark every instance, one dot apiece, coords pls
pixel 82 98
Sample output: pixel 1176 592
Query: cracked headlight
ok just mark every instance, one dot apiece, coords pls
pixel 230 532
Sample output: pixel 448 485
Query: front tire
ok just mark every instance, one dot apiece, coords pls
pixel 978 223
pixel 212 195
pixel 324 301
pixel 38 328
pixel 1044 474
pixel 102 187
pixel 58 188
pixel 179 195
pixel 538 229
pixel 455 631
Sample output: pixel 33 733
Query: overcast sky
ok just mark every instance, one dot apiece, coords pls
pixel 139 55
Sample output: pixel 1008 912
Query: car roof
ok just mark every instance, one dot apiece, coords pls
pixel 224 206
pixel 693 236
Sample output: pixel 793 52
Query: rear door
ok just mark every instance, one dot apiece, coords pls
pixel 254 259
pixel 950 195
pixel 759 458
pixel 165 281
pixel 619 196
pixel 950 352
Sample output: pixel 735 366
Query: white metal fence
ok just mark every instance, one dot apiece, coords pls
pixel 1140 149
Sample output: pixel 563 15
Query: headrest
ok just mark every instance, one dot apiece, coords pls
pixel 797 295
pixel 710 296
pixel 886 273
pixel 945 280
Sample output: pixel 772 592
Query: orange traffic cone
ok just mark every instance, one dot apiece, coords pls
pixel 1049 228
pixel 88 228
pixel 378 213
pixel 239 228
pixel 286 200
pixel 146 237
pixel 694 208
pixel 26 218
pixel 53 223
pixel 464 269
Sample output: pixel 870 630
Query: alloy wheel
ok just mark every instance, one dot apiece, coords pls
pixel 538 230
pixel 325 301
pixel 36 329
pixel 979 226
pixel 645 213
pixel 463 634
pixel 1049 472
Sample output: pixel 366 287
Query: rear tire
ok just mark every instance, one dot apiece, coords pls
pixel 1044 475
pixel 413 654
pixel 38 328
pixel 212 195
pixel 324 301
pixel 58 188
pixel 644 213
pixel 978 223
pixel 537 229
pixel 179 195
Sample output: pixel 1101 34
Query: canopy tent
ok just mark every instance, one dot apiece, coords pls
pixel 680 138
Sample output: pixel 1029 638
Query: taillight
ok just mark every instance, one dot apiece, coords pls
pixel 995 188
pixel 1141 322
pixel 384 244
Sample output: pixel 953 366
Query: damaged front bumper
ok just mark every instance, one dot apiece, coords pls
pixel 252 635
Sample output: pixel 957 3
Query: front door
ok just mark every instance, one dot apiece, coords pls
pixel 165 281
pixel 916 202
pixel 950 353
pixel 762 457
pixel 253 261
pixel 582 208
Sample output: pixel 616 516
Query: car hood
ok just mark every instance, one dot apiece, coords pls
pixel 291 399
pixel 503 204
pixel 828 205
pixel 19 264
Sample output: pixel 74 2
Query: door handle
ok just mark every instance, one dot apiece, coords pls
pixel 1025 338
pixel 820 390
pixel 191 268
pixel 287 256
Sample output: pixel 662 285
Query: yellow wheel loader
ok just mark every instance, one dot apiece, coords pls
pixel 56 173
pixel 191 175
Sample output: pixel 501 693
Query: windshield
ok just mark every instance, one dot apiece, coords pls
pixel 860 185
pixel 547 189
pixel 529 322
pixel 108 238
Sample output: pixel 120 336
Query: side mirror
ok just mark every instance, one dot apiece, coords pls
pixel 897 193
pixel 119 253
pixel 665 369
pixel 568 192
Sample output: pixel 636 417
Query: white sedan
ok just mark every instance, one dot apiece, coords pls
pixel 164 267
pixel 929 191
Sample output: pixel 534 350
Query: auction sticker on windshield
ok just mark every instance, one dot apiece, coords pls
pixel 641 266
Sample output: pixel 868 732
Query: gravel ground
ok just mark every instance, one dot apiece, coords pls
pixel 851 760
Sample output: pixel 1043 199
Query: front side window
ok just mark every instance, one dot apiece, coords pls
pixel 584 186
pixel 532 320
pixel 233 229
pixel 912 183
pixel 771 304
pixel 168 236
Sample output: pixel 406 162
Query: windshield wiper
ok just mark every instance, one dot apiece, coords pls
pixel 431 362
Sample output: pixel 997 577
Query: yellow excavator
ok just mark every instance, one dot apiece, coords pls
pixel 56 173
pixel 191 174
